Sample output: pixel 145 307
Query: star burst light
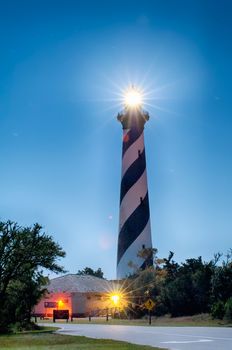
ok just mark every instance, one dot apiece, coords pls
pixel 135 94
pixel 125 295
pixel 133 97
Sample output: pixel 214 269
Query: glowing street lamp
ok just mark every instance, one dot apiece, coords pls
pixel 115 298
pixel 60 304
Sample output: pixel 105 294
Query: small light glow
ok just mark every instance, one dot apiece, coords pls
pixel 60 303
pixel 115 298
pixel 133 98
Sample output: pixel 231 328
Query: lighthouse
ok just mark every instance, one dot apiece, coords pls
pixel 134 217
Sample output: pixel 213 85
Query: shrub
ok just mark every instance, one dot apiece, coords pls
pixel 160 309
pixel 228 310
pixel 218 310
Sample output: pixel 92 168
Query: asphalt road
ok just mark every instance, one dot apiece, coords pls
pixel 174 338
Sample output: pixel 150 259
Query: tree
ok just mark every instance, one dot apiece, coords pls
pixel 89 271
pixel 171 267
pixel 149 255
pixel 222 288
pixel 24 253
pixel 188 290
pixel 145 283
pixel 222 280
pixel 228 310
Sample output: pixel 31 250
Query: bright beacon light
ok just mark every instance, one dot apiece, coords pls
pixel 133 98
pixel 115 298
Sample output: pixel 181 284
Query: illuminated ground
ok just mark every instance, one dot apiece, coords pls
pixel 40 341
pixel 203 320
pixel 174 338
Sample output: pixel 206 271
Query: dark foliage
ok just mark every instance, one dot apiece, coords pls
pixel 91 272
pixel 188 288
pixel 228 310
pixel 218 310
pixel 24 253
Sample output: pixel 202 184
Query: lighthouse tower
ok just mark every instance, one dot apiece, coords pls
pixel 134 217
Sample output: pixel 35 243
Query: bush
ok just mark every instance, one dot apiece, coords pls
pixel 160 309
pixel 228 310
pixel 218 310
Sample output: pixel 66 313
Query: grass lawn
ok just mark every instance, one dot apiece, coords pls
pixel 50 341
pixel 203 320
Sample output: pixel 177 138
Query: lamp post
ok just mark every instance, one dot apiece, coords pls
pixel 115 298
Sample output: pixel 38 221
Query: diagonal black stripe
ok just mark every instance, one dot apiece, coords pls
pixel 134 225
pixel 133 173
pixel 130 138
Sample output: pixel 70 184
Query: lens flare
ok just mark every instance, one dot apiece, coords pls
pixel 115 298
pixel 60 304
pixel 133 98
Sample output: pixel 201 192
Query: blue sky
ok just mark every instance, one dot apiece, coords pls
pixel 62 66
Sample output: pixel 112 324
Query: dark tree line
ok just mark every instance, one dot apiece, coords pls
pixel 24 253
pixel 90 272
pixel 188 288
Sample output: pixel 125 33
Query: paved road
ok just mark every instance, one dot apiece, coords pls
pixel 174 338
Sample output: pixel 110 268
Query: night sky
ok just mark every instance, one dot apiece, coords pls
pixel 63 66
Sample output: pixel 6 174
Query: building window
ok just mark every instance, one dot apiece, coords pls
pixel 50 304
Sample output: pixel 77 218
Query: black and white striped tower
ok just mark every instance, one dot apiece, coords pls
pixel 134 218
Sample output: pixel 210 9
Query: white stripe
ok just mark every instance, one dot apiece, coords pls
pixel 132 153
pixel 131 200
pixel 130 255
